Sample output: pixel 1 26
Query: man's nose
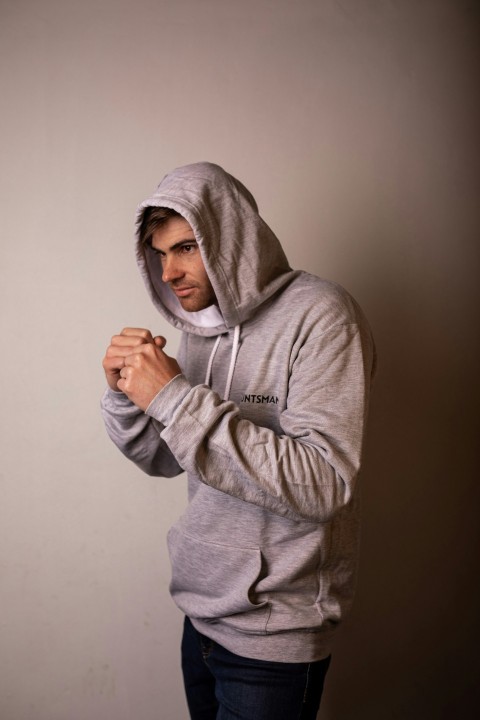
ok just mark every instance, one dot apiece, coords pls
pixel 171 269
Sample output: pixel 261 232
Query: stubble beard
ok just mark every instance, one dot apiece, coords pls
pixel 200 299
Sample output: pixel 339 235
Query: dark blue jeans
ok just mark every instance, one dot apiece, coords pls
pixel 223 686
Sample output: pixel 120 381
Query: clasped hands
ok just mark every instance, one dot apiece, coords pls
pixel 136 365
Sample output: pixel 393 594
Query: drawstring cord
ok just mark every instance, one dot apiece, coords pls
pixel 210 360
pixel 233 360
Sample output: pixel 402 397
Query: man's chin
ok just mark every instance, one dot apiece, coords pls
pixel 195 304
pixel 192 305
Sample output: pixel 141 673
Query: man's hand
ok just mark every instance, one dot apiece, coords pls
pixel 136 365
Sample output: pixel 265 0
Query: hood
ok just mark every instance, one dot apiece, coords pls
pixel 243 258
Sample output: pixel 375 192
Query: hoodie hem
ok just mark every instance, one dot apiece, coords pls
pixel 290 646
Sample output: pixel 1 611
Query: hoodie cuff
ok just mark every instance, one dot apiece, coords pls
pixel 116 397
pixel 166 401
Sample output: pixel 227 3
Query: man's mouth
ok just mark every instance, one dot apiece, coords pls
pixel 182 291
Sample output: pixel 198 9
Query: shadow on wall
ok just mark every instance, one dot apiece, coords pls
pixel 409 648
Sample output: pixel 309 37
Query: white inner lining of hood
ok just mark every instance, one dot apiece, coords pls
pixel 210 317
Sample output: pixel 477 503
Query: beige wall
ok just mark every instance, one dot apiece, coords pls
pixel 355 124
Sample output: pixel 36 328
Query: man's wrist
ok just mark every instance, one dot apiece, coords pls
pixel 165 403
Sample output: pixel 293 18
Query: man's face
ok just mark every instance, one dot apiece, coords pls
pixel 182 264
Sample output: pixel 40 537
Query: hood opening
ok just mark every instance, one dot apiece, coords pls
pixel 243 258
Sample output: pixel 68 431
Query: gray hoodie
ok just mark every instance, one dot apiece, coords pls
pixel 267 419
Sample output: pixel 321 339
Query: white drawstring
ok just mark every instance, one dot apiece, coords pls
pixel 233 360
pixel 210 360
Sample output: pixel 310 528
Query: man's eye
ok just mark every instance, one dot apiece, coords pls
pixel 188 248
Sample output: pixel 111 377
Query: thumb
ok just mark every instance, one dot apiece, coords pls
pixel 160 341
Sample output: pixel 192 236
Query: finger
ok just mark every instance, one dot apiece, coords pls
pixel 121 385
pixel 135 356
pixel 138 332
pixel 125 372
pixel 121 351
pixel 129 340
pixel 160 341
pixel 113 363
pixel 147 350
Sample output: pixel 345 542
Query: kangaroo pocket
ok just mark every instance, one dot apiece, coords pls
pixel 212 581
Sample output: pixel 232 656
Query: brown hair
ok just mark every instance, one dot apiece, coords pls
pixel 153 218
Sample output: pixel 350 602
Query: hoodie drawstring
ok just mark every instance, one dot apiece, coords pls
pixel 210 360
pixel 233 360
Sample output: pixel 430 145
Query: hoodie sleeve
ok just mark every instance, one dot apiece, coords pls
pixel 308 471
pixel 137 435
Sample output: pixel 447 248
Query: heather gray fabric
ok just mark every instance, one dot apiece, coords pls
pixel 264 557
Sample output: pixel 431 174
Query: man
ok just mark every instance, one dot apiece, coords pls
pixel 265 410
